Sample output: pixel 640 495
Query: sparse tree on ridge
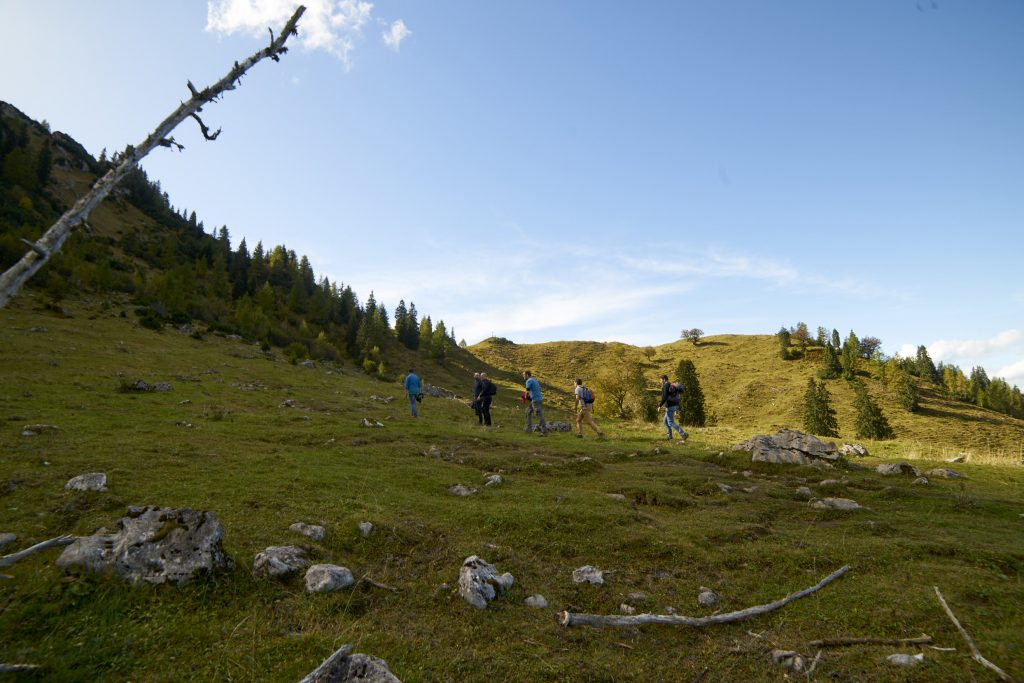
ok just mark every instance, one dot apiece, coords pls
pixel 869 346
pixel 836 343
pixel 693 335
pixel 801 336
pixel 783 336
pixel 848 358
pixel 822 337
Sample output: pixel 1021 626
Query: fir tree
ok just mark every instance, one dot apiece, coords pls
pixel 925 367
pixel 870 422
pixel 848 359
pixel 439 341
pixel 906 391
pixel 691 402
pixel 412 330
pixel 426 332
pixel 836 343
pixel 830 366
pixel 819 417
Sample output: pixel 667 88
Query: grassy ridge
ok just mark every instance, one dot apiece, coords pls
pixel 223 441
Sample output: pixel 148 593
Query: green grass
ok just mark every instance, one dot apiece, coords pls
pixel 221 441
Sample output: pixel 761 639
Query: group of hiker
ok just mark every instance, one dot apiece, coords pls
pixel 533 401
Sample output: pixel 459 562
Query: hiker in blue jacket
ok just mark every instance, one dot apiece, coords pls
pixel 670 395
pixel 533 392
pixel 412 387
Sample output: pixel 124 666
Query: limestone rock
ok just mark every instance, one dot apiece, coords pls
pixel 944 473
pixel 706 597
pixel 920 481
pixel 36 430
pixel 536 601
pixel 479 582
pixel 313 531
pixel 958 458
pixel 836 504
pixel 93 481
pixel 310 364
pixel 461 490
pixel 788 447
pixel 6 539
pixel 627 609
pixel 279 561
pixel 636 597
pixel 724 488
pixel 794 661
pixel 325 578
pixel 371 423
pixel 905 660
pixel 494 480
pixel 848 449
pixel 804 492
pixel 365 529
pixel 153 545
pixel 345 667
pixel 382 399
pixel 893 468
pixel 588 574
pixel 617 496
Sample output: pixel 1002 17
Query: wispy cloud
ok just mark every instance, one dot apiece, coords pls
pixel 394 36
pixel 975 348
pixel 334 26
pixel 1012 373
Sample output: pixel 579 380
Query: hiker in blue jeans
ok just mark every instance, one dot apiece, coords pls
pixel 412 387
pixel 670 394
pixel 533 392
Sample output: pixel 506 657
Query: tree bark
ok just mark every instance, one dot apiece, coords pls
pixel 626 621
pixel 52 240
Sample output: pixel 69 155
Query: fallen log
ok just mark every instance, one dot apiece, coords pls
pixel 8 560
pixel 923 639
pixel 628 621
pixel 970 641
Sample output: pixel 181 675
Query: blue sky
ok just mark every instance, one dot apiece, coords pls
pixel 590 170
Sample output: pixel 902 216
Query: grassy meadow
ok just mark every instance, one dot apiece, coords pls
pixel 224 440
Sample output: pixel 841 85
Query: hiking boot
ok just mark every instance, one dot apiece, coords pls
pixel 579 436
pixel 601 436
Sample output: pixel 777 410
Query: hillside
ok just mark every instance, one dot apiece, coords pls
pixel 749 389
pixel 264 443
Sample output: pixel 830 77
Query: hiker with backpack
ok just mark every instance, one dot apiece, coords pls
pixel 671 392
pixel 487 391
pixel 476 398
pixel 534 407
pixel 585 402
pixel 412 387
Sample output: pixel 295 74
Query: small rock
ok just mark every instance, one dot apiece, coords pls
pixel 325 578
pixel 479 582
pixel 536 601
pixel 958 458
pixel 627 609
pixel 724 488
pixel 944 473
pixel 36 430
pixel 313 531
pixel 892 468
pixel 93 481
pixel 494 480
pixel 162 386
pixel 287 403
pixel 616 496
pixel 365 529
pixel 344 666
pixel 749 489
pixel 279 561
pixel 433 452
pixel 920 480
pixel 804 492
pixel 588 574
pixel 831 482
pixel 822 465
pixel 794 661
pixel 461 490
pixel 636 597
pixel 836 504
pixel 311 364
pixel 372 423
pixel 6 539
pixel 905 660
pixel 706 597
pixel 856 449
pixel 747 473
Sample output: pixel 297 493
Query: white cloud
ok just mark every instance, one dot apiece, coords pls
pixel 330 25
pixel 975 348
pixel 394 36
pixel 1012 373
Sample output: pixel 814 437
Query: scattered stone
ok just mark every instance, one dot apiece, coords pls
pixel 749 489
pixel 958 458
pixel 310 364
pixel 920 481
pixel 279 561
pixel 314 531
pixel 747 473
pixel 627 609
pixel 38 328
pixel 944 473
pixel 834 482
pixel 588 574
pixel 617 496
pixel 724 488
pixel 494 480
pixel 382 399
pixel 372 423
pixel 788 447
pixel 365 529
pixel 706 597
pixel 93 481
pixel 36 430
pixel 822 465
pixel 848 449
pixel 804 492
pixel 836 504
pixel 479 582
pixel 287 403
pixel 892 468
pixel 433 452
pixel 184 402
pixel 153 545
pixel 344 667
pixel 636 597
pixel 461 490
pixel 794 661
pixel 326 578
pixel 162 386
pixel 7 539
pixel 905 660
pixel 438 392
pixel 536 601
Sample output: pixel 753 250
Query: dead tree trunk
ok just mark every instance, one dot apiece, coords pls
pixel 52 240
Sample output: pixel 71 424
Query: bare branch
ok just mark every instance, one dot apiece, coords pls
pixel 8 560
pixel 52 240
pixel 924 639
pixel 206 131
pixel 970 642
pixel 569 619
pixel 11 668
pixel 366 579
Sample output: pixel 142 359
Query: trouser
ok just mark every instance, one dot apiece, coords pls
pixel 484 406
pixel 586 415
pixel 535 408
pixel 478 409
pixel 670 422
pixel 412 403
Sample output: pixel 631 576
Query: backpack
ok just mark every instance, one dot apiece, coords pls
pixel 492 390
pixel 674 389
pixel 588 395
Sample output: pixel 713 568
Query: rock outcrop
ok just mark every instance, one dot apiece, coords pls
pixel 789 447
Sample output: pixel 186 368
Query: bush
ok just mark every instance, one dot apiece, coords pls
pixel 296 352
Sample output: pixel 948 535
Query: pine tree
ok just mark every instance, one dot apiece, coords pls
pixel 925 367
pixel 412 329
pixel 691 402
pixel 426 332
pixel 870 422
pixel 439 341
pixel 836 343
pixel 830 366
pixel 819 417
pixel 851 349
pixel 822 337
pixel 907 394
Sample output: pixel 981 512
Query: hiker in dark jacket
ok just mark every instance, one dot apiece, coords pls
pixel 670 394
pixel 487 390
pixel 476 398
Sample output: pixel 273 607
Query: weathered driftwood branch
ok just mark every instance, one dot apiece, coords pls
pixel 970 642
pixel 52 240
pixel 624 620
pixel 383 586
pixel 12 668
pixel 8 560
pixel 923 639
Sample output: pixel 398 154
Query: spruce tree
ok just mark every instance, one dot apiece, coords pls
pixel 426 332
pixel 819 417
pixel 691 402
pixel 906 391
pixel 830 366
pixel 412 329
pixel 836 343
pixel 851 350
pixel 871 422
pixel 925 366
